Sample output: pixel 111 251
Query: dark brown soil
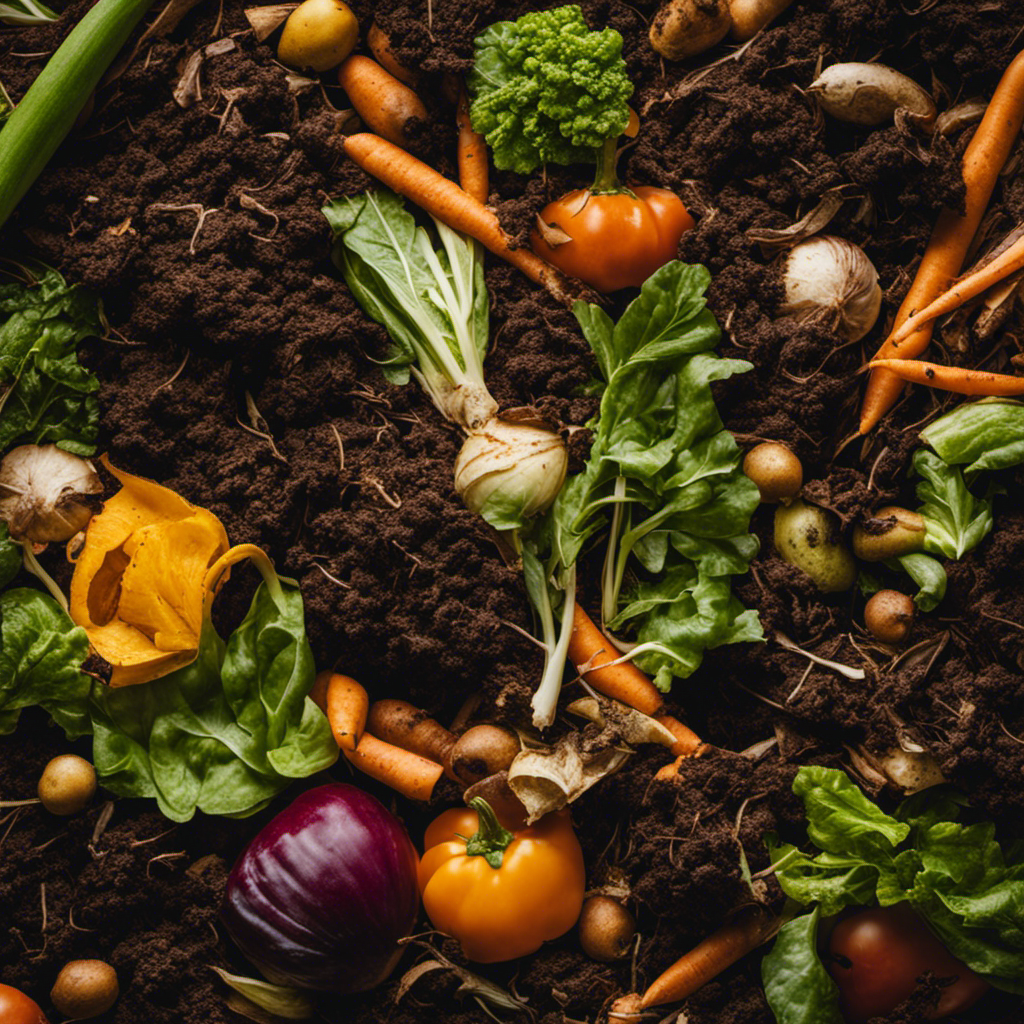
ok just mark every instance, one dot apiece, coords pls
pixel 252 304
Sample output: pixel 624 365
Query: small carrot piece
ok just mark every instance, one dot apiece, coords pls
pixel 688 743
pixel 404 725
pixel 473 173
pixel 670 770
pixel 443 199
pixel 953 378
pixel 347 704
pixel 1008 262
pixel 379 98
pixel 405 772
pixel 590 650
pixel 720 950
pixel 947 248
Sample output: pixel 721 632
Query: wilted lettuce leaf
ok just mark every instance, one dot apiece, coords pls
pixel 46 395
pixel 957 876
pixel 662 479
pixel 979 435
pixel 796 984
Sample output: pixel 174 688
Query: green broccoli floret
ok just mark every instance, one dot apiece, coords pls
pixel 547 89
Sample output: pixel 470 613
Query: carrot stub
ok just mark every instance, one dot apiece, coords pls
pixel 720 950
pixel 346 704
pixel 947 248
pixel 443 199
pixel 405 772
pixel 473 173
pixel 953 378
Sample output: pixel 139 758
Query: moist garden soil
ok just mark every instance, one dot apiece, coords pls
pixel 199 227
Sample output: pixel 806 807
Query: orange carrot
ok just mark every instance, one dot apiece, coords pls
pixel 381 100
pixel 734 940
pixel 947 248
pixel 688 743
pixel 380 46
pixel 589 650
pixel 443 199
pixel 1008 262
pixel 473 173
pixel 346 704
pixel 670 770
pixel 409 727
pixel 953 378
pixel 405 772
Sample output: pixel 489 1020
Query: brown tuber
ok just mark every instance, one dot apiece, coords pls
pixel 607 929
pixel 85 988
pixel 889 533
pixel 889 616
pixel 67 785
pixel 776 471
pixel 750 16
pixel 684 28
pixel 482 751
pixel 808 537
pixel 404 725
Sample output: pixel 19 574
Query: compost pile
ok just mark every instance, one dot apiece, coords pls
pixel 238 370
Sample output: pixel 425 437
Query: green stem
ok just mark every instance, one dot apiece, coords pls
pixel 490 840
pixel 31 563
pixel 46 114
pixel 606 181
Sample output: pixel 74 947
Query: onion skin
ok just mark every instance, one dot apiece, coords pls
pixel 321 896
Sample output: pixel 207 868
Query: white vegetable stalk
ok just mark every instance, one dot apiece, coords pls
pixel 831 281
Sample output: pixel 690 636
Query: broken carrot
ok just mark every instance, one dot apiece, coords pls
pixel 473 173
pixel 591 651
pixel 1008 262
pixel 387 105
pixel 443 199
pixel 953 378
pixel 720 950
pixel 947 248
pixel 405 772
pixel 688 743
pixel 346 704
pixel 404 725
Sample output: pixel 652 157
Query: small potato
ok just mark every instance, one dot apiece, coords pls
pixel 380 99
pixel 808 537
pixel 607 929
pixel 85 988
pixel 483 751
pixel 319 34
pixel 750 16
pixel 889 616
pixel 890 532
pixel 67 785
pixel 870 94
pixel 776 471
pixel 684 28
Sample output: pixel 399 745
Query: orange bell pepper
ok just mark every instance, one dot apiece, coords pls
pixel 501 894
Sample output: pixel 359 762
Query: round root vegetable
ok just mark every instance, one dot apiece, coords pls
pixel 870 94
pixel 380 99
pixel 750 16
pixel 404 725
pixel 889 616
pixel 830 281
pixel 319 34
pixel 607 929
pixel 17 1008
pixel 808 537
pixel 684 28
pixel 889 533
pixel 380 46
pixel 482 751
pixel 775 470
pixel 67 785
pixel 85 988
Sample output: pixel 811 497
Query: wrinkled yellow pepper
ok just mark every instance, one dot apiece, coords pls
pixel 143 577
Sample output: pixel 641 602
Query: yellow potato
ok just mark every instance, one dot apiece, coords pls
pixel 319 35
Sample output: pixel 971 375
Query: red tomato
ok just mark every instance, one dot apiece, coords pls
pixel 879 954
pixel 17 1008
pixel 618 239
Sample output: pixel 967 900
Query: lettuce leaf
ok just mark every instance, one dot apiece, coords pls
pixel 955 520
pixel 979 435
pixel 46 395
pixel 796 984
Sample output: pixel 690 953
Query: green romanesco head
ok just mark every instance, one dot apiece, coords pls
pixel 546 88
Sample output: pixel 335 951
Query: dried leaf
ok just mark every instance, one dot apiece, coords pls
pixel 632 727
pixel 963 115
pixel 414 974
pixel 851 673
pixel 299 84
pixel 548 778
pixel 551 233
pixel 265 20
pixel 758 750
pixel 142 577
pixel 810 224
pixel 280 1001
pixel 189 89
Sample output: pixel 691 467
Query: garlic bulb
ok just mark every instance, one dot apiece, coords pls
pixel 829 280
pixel 47 494
pixel 507 472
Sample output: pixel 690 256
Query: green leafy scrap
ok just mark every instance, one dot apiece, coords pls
pixel 955 520
pixel 547 89
pixel 46 395
pixel 796 984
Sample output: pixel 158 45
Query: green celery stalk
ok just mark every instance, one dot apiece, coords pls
pixel 43 118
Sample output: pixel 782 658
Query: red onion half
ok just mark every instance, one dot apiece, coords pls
pixel 319 899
